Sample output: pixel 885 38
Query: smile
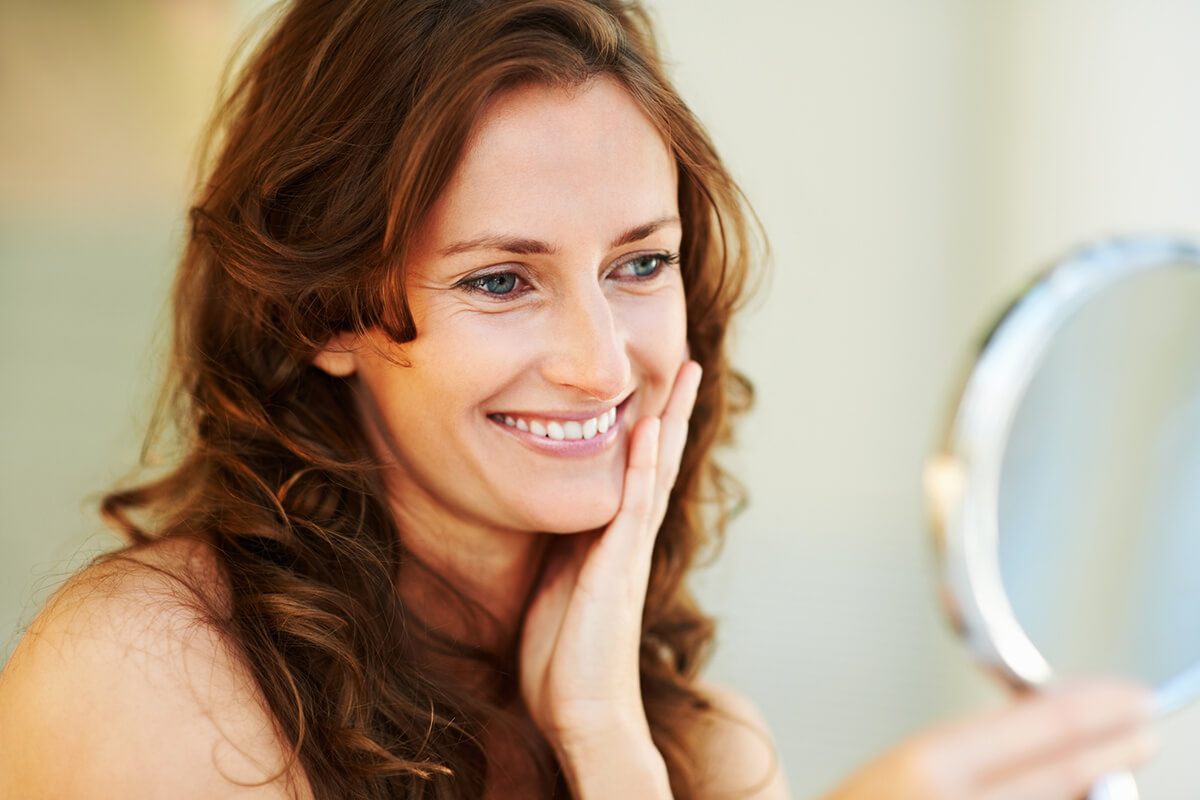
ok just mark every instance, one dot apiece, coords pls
pixel 561 430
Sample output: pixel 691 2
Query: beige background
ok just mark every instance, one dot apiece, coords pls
pixel 913 161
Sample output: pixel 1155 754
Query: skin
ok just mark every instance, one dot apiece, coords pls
pixel 127 686
pixel 1044 746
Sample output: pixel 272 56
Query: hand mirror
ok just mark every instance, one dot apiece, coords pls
pixel 1066 497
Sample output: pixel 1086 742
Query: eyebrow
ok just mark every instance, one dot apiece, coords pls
pixel 527 247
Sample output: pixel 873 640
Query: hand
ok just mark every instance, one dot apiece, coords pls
pixel 1045 746
pixel 579 670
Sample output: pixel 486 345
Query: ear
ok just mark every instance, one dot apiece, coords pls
pixel 338 356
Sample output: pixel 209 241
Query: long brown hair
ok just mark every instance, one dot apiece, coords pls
pixel 330 147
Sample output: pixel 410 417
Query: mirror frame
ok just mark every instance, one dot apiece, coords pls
pixel 962 481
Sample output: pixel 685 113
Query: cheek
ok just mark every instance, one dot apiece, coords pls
pixel 461 366
pixel 657 337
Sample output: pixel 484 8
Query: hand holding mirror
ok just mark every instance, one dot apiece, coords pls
pixel 1066 497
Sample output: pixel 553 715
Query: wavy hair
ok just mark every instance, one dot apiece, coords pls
pixel 327 152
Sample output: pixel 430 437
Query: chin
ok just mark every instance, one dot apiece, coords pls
pixel 577 517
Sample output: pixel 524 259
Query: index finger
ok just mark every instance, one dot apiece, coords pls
pixel 656 444
pixel 673 435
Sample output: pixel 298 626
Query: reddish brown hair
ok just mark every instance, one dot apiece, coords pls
pixel 340 132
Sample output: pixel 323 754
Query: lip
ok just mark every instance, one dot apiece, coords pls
pixel 577 416
pixel 567 447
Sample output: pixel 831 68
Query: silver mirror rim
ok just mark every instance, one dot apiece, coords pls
pixel 962 482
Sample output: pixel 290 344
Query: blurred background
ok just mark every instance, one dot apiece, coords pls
pixel 913 163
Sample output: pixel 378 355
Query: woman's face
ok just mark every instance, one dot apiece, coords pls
pixel 549 309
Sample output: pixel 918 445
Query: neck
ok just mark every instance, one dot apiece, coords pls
pixel 455 560
pixel 468 583
pixel 495 570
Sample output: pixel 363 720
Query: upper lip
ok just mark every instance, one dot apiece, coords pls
pixel 578 416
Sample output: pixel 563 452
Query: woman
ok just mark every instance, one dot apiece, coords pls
pixel 450 369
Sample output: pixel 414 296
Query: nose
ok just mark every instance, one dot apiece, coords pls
pixel 587 345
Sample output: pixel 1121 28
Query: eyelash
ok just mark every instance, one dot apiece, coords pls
pixel 475 284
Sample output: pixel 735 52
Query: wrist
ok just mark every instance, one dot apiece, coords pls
pixel 619 762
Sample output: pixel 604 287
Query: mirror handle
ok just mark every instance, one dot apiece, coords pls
pixel 1114 786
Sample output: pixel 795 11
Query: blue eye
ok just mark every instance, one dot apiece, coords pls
pixel 500 283
pixel 648 265
pixel 645 266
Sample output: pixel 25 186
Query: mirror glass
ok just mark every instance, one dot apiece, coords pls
pixel 1099 487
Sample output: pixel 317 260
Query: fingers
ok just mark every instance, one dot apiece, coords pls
pixel 617 548
pixel 643 444
pixel 655 448
pixel 635 516
pixel 667 437
pixel 1052 745
pixel 1065 716
pixel 673 436
pixel 1073 773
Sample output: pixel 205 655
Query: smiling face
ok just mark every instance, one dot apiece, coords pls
pixel 550 317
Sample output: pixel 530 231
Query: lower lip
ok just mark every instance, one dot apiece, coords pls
pixel 567 447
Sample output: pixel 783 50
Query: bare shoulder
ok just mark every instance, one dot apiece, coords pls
pixel 738 754
pixel 124 687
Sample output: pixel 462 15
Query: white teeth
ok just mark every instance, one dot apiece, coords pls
pixel 567 430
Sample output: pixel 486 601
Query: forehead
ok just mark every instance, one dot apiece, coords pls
pixel 548 162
